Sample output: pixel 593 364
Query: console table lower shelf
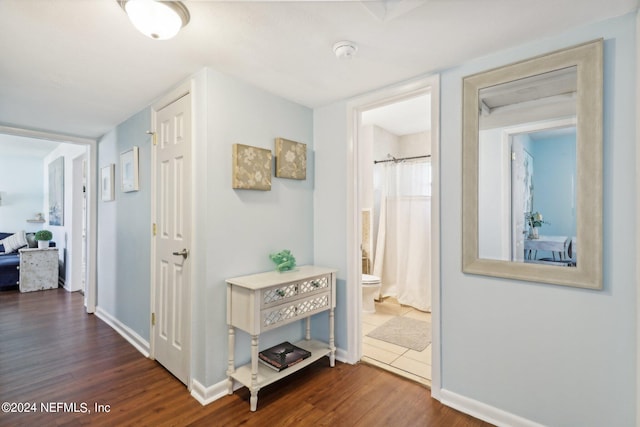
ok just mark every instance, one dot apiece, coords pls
pixel 267 375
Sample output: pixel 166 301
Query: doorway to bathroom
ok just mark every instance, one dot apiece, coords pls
pixel 395 147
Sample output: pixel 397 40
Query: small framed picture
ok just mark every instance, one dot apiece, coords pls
pixel 106 182
pixel 129 170
pixel 251 168
pixel 291 159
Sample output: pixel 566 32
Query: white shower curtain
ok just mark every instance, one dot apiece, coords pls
pixel 403 246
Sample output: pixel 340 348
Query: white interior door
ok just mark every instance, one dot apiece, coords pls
pixel 171 331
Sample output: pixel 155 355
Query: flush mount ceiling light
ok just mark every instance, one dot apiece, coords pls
pixel 159 20
pixel 345 49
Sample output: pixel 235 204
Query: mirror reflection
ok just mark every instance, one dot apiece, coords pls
pixel 527 169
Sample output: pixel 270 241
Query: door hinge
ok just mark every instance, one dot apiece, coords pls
pixel 513 155
pixel 155 229
pixel 153 319
pixel 154 140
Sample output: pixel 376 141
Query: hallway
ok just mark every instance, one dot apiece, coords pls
pixel 53 353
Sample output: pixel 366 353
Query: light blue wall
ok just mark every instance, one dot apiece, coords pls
pixel 245 226
pixel 22 188
pixel 124 227
pixel 330 203
pixel 554 172
pixel 555 355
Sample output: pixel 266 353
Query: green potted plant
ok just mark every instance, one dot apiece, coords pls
pixel 43 237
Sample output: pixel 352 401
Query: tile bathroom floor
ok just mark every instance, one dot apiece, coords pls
pixel 415 365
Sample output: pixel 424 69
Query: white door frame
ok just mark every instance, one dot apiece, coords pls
pixel 78 233
pixel 174 95
pixel 637 224
pixel 92 199
pixel 355 107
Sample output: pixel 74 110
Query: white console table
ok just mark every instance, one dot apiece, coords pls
pixel 38 269
pixel 261 302
pixel 554 244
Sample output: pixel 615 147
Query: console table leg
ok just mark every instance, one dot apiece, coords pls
pixel 231 362
pixel 254 400
pixel 254 372
pixel 332 344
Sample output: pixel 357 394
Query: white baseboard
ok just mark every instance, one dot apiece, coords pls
pixel 342 356
pixel 127 333
pixel 206 395
pixel 483 411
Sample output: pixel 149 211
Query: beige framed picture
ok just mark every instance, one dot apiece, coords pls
pixel 291 159
pixel 251 168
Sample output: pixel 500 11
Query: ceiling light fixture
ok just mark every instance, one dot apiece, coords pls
pixel 345 49
pixel 159 20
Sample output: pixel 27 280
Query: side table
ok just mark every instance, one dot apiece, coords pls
pixel 38 269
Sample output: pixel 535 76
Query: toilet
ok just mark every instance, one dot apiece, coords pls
pixel 370 292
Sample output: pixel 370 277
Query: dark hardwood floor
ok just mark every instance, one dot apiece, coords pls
pixel 56 358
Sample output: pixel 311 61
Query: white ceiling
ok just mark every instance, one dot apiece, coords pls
pixel 79 67
pixel 401 118
pixel 21 146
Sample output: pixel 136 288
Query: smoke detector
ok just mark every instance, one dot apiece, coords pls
pixel 345 49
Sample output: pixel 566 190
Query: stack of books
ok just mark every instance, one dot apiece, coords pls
pixel 282 356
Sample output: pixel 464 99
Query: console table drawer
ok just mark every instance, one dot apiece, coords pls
pixel 282 294
pixel 279 315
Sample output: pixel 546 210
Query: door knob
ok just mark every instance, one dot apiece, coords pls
pixel 184 253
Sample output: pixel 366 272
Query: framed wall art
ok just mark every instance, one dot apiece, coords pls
pixel 291 159
pixel 251 168
pixel 129 170
pixel 107 174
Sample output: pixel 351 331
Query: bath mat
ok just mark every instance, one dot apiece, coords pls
pixel 405 332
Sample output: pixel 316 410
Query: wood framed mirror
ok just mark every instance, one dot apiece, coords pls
pixel 532 169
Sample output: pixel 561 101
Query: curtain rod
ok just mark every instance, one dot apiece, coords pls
pixel 393 159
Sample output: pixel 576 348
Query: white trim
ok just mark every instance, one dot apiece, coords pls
pixel 483 411
pixel 78 237
pixel 92 199
pixel 173 95
pixel 430 84
pixel 126 332
pixel 50 136
pixel 343 356
pixel 436 372
pixel 152 246
pixel 206 395
pixel 354 260
pixel 637 313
